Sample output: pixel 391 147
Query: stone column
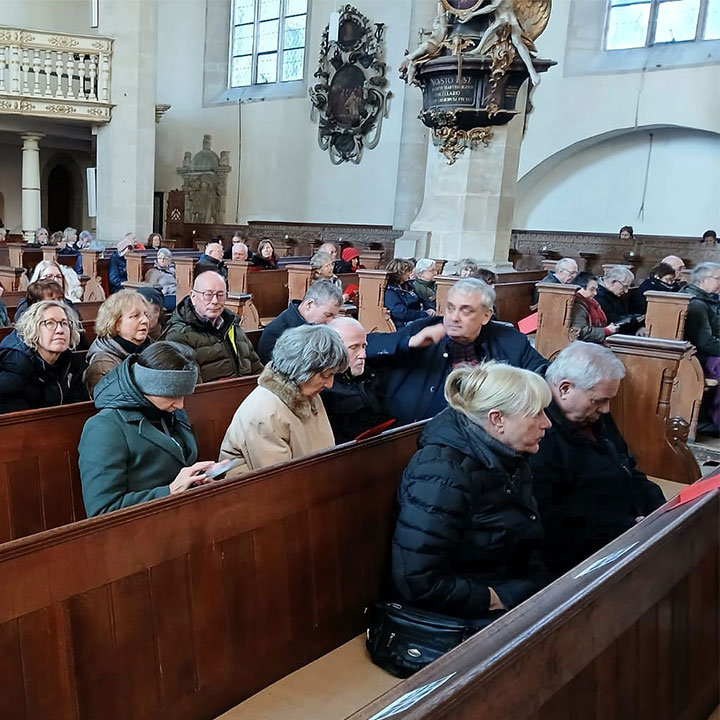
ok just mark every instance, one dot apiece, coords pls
pixel 31 205
pixel 126 146
pixel 468 207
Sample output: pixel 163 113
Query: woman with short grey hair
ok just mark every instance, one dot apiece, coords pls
pixel 284 417
pixel 613 298
pixel 162 275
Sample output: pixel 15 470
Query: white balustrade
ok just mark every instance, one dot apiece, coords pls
pixel 46 74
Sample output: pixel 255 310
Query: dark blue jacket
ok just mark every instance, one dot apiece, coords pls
pixel 404 304
pixel 117 271
pixel 416 382
pixel 289 318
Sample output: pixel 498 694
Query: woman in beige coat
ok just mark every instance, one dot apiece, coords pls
pixel 284 418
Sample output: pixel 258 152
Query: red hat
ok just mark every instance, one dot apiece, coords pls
pixel 349 254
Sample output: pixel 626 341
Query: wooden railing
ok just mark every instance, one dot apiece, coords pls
pixel 50 74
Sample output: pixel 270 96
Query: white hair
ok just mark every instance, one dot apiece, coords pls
pixel 702 271
pixel 424 264
pixel 585 365
pixel 477 287
pixel 566 264
pixel 619 273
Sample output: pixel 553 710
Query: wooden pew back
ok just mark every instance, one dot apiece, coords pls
pixel 555 304
pixel 39 478
pixel 183 607
pixel 666 314
pixel 630 633
pixel 372 313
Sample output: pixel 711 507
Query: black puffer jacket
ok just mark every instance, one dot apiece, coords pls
pixel 467 522
pixel 618 308
pixel 27 381
pixel 223 352
pixel 589 490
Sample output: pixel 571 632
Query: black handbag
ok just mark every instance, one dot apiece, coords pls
pixel 403 639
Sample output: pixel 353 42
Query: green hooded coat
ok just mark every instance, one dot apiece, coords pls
pixel 130 451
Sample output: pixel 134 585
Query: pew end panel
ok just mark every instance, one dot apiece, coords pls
pixel 657 404
pixel 372 313
pixel 185 606
pixel 666 314
pixel 555 304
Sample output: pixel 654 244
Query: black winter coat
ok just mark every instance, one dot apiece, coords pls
pixel 617 308
pixel 467 522
pixel 589 491
pixel 702 325
pixel 416 380
pixel 205 263
pixel 288 318
pixel 637 302
pixel 27 381
pixel 117 271
pixel 354 404
pixel 404 304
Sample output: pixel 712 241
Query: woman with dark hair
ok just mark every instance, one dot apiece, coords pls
pixel 154 241
pixel 588 321
pixel 401 300
pixel 626 233
pixel 37 365
pixel 265 257
pixel 661 278
pixel 141 446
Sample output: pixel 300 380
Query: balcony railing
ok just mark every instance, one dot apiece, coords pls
pixel 46 74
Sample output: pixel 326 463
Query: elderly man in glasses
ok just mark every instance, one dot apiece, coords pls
pixel 202 322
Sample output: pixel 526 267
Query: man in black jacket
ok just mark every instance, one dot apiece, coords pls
pixel 417 375
pixel 321 303
pixel 354 403
pixel 212 259
pixel 612 294
pixel 566 270
pixel 587 485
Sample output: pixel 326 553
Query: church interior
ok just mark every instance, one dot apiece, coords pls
pixel 260 259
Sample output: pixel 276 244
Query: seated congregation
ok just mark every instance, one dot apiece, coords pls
pixel 520 472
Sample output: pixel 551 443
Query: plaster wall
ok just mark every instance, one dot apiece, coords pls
pixel 70 16
pixel 564 185
pixel 284 176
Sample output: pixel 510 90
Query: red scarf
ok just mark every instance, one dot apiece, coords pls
pixel 595 312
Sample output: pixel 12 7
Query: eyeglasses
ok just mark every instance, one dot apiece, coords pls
pixel 51 277
pixel 208 295
pixel 52 325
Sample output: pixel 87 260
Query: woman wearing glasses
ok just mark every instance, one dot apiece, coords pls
pixel 122 326
pixel 37 365
pixel 50 270
pixel 202 322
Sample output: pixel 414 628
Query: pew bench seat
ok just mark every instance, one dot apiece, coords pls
pixel 330 688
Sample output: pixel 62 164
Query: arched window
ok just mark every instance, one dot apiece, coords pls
pixel 644 23
pixel 267 42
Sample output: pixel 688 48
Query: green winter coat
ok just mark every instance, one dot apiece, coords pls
pixel 130 451
pixel 223 353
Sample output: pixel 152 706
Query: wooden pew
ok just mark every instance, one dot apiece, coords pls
pixel 636 637
pixel 658 403
pixel 10 278
pixel 555 304
pixel 299 280
pixel 514 293
pixel 269 291
pixel 39 478
pixel 372 313
pixel 214 602
pixel 183 607
pixel 666 313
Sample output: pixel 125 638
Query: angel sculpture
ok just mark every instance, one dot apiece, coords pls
pixel 428 48
pixel 527 19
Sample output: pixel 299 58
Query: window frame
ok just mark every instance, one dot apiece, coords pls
pixel 254 86
pixel 651 32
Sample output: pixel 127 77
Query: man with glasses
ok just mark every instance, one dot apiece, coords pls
pixel 565 272
pixel 585 480
pixel 702 329
pixel 612 294
pixel 202 322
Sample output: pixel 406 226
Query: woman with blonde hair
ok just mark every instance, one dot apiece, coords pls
pixel 122 326
pixel 37 365
pixel 468 539
pixel 321 264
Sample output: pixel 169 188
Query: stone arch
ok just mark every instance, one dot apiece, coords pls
pixel 59 165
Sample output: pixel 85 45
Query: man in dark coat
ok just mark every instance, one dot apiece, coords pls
pixel 322 303
pixel 202 321
pixel 566 270
pixel 586 482
pixel 212 259
pixel 417 375
pixel 612 295
pixel 354 403
pixel 702 329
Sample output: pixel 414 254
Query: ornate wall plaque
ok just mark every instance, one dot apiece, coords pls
pixel 350 100
pixel 205 184
pixel 471 65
